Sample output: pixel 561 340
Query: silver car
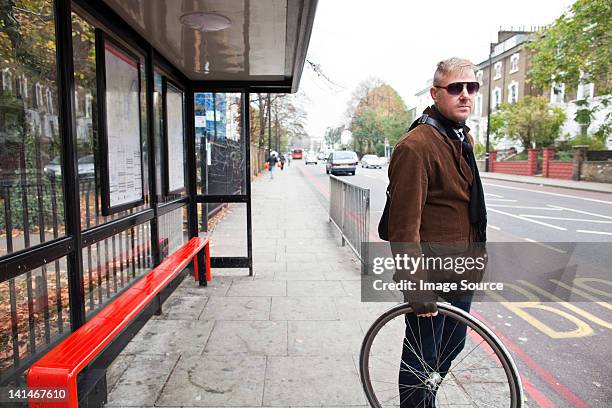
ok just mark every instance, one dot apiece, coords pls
pixel 372 161
pixel 311 157
pixel 341 161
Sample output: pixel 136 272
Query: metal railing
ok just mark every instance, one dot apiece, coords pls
pixel 34 306
pixel 349 211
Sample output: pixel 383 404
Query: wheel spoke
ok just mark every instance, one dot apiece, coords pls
pixel 421 360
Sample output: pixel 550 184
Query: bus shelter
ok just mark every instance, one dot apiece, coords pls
pixel 124 127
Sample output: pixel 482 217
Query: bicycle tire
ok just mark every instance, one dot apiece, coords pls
pixel 512 375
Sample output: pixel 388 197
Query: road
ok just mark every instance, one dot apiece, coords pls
pixel 561 349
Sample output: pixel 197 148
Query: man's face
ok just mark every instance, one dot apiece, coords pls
pixel 454 107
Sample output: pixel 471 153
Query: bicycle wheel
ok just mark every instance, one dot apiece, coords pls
pixel 398 370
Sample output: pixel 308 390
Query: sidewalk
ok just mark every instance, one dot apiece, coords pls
pixel 576 185
pixel 289 336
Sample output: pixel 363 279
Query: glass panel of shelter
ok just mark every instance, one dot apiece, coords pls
pixel 31 193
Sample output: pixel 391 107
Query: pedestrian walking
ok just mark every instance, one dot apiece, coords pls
pixel 435 196
pixel 282 162
pixel 272 159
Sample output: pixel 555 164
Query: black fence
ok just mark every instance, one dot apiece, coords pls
pixel 34 306
pixel 599 155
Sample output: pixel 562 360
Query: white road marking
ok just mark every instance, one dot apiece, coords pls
pixel 493 195
pixel 545 246
pixel 502 200
pixel 528 219
pixel 549 193
pixel 565 219
pixel 523 207
pixel 580 211
pixel 494 227
pixel 594 232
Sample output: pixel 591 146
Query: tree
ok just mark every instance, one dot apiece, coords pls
pixel 530 120
pixel 332 136
pixel 577 49
pixel 378 114
pixel 287 119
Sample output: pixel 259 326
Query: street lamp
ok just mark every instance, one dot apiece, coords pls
pixel 269 125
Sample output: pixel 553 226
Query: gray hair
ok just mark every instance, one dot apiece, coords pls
pixel 452 65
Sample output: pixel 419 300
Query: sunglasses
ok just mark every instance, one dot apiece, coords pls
pixel 457 87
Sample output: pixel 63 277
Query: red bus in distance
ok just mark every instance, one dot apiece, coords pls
pixel 296 154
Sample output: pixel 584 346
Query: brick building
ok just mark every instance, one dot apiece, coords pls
pixel 509 62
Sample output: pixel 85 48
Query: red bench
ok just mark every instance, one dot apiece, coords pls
pixel 59 368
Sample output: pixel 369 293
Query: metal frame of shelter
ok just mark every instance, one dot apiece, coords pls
pixel 77 237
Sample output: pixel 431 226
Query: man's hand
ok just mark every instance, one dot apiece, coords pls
pixel 424 308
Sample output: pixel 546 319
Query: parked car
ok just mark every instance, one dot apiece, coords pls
pixel 322 156
pixel 372 161
pixel 311 157
pixel 342 161
pixel 86 166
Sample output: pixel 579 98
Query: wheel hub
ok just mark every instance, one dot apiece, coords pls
pixel 433 381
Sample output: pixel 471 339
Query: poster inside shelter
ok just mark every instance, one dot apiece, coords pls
pixel 123 128
pixel 176 158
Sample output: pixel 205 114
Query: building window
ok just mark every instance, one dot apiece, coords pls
pixel 585 91
pixel 497 68
pixel 479 77
pixel 7 80
pixel 514 62
pixel 21 87
pixel 49 101
pixel 557 93
pixel 478 104
pixel 513 92
pixel 88 105
pixel 38 97
pixel 496 100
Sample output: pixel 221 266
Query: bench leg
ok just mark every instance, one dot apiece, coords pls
pixel 199 263
pixel 159 311
pixel 207 253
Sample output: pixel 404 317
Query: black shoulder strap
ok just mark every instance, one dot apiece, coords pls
pixel 426 119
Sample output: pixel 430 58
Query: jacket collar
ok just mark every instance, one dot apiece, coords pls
pixel 436 114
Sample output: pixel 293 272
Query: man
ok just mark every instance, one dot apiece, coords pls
pixel 435 197
pixel 282 162
pixel 272 164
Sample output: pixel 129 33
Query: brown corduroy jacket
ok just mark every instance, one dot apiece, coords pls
pixel 429 185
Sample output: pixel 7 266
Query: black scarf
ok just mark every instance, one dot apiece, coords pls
pixel 477 207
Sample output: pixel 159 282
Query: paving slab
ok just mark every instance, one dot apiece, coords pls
pixel 315 288
pixel 182 307
pixel 351 308
pixel 216 381
pixel 258 288
pixel 303 308
pixel 228 338
pixel 237 308
pixel 142 381
pixel 324 338
pixel 171 337
pixel 307 381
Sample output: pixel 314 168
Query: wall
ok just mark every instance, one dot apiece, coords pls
pixel 600 172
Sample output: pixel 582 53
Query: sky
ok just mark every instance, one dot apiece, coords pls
pixel 400 42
